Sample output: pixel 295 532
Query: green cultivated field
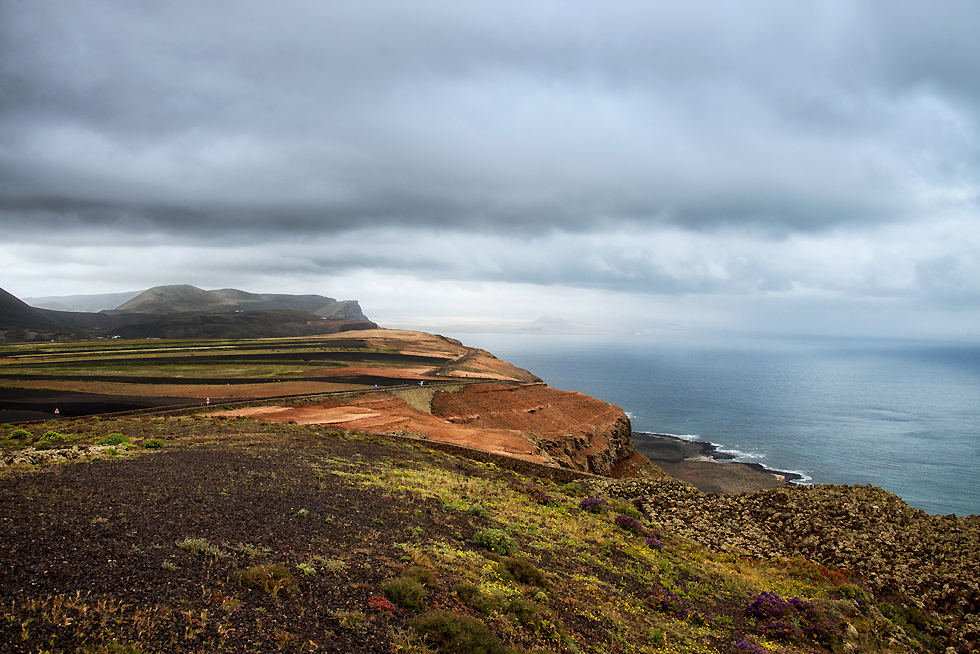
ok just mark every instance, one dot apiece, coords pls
pixel 159 361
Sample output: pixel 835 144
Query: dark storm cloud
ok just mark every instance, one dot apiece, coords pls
pixel 766 147
pixel 313 117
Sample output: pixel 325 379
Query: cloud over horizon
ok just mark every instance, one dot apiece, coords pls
pixel 728 160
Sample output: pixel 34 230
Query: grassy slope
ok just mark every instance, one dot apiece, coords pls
pixel 373 534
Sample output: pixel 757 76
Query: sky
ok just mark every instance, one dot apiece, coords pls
pixel 758 166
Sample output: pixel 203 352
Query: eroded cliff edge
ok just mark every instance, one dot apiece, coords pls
pixel 533 422
pixel 563 428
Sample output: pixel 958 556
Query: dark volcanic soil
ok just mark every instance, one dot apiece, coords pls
pixel 24 404
pixel 109 528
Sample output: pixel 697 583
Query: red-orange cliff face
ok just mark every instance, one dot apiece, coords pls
pixel 533 422
pixel 565 428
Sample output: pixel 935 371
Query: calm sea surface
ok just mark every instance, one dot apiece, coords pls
pixel 902 415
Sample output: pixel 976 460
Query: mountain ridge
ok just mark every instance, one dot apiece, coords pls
pixel 184 311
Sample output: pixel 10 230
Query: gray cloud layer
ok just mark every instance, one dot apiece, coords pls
pixel 766 148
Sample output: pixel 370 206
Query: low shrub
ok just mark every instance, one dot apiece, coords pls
pixel 535 617
pixel 272 578
pixel 406 592
pixel 201 548
pixel 422 575
pixel 792 620
pixel 352 620
pixel 19 434
pixel 544 499
pixel 524 613
pixel 467 469
pixel 51 436
pixel 743 646
pixel 478 511
pixel 473 597
pixel 250 550
pixel 592 505
pixel 768 605
pixel 627 510
pixel 381 603
pixel 852 591
pixel 450 633
pixel 523 571
pixel 114 438
pixel 332 566
pixel 912 620
pixel 630 524
pixel 496 540
pixel 153 443
pixel 52 439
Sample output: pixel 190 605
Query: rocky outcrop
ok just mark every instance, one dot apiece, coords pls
pixel 932 562
pixel 568 429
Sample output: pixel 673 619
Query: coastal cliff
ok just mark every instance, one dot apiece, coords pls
pixel 563 428
pixel 533 422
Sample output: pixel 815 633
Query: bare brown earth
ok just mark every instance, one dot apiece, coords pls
pixel 533 422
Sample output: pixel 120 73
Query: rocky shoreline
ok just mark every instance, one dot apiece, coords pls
pixel 701 464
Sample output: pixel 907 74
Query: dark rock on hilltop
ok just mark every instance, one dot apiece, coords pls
pixel 186 312
pixel 190 299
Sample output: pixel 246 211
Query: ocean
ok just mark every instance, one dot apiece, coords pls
pixel 902 415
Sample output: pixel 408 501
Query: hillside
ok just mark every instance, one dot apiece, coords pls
pixel 194 533
pixel 15 314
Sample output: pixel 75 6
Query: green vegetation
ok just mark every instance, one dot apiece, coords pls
pixel 390 570
pixel 406 592
pixel 273 578
pixel 201 548
pixel 450 633
pixel 495 540
pixel 203 360
pixel 114 438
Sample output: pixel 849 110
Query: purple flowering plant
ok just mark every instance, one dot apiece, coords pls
pixel 629 524
pixel 788 620
pixel 592 505
pixel 544 498
pixel 743 646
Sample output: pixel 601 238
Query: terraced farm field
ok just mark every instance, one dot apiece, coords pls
pixel 82 378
